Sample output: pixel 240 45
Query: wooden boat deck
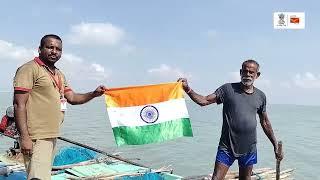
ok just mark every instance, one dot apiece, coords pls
pixel 101 168
pixel 258 174
pixel 111 169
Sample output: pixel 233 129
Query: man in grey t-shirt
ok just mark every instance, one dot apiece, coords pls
pixel 241 102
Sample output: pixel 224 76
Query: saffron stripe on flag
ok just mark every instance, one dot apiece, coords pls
pixel 130 116
pixel 152 133
pixel 141 95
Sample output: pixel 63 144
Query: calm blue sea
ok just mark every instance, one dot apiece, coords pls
pixel 297 126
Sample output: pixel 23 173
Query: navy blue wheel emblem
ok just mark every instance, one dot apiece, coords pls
pixel 149 114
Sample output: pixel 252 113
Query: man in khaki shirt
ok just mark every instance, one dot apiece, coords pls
pixel 40 96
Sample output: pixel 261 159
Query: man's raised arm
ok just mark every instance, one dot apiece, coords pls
pixel 197 98
pixel 76 98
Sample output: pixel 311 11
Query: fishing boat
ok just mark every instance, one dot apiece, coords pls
pixel 85 162
pixel 97 168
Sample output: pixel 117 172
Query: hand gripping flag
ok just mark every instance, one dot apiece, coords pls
pixel 148 114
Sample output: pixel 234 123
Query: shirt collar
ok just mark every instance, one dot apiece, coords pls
pixel 39 61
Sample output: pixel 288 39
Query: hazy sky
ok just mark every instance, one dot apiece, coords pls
pixel 122 43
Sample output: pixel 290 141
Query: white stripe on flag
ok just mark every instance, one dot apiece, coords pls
pixel 130 116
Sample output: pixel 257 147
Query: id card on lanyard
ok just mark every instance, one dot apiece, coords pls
pixel 63 104
pixel 58 85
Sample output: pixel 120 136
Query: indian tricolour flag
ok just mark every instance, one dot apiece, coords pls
pixel 148 114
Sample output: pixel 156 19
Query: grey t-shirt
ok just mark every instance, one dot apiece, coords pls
pixel 239 126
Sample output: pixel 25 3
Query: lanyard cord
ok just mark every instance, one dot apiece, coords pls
pixel 57 84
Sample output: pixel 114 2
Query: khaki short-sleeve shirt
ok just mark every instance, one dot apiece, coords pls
pixel 44 115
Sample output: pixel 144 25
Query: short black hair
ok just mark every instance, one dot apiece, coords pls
pixel 43 39
pixel 251 61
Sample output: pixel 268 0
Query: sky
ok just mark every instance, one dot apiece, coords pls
pixel 125 43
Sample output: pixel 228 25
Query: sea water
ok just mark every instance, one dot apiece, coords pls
pixel 298 127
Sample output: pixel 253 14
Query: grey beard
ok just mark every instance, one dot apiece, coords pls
pixel 247 83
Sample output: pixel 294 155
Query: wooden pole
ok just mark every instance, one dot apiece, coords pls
pixel 101 152
pixel 278 161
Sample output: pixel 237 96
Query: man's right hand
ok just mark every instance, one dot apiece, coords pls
pixel 185 84
pixel 26 146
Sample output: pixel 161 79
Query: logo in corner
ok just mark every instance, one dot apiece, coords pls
pixel 289 20
pixel 149 114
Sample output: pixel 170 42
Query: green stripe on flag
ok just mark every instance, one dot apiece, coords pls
pixel 125 135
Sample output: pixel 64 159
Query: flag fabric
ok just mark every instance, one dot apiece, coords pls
pixel 148 114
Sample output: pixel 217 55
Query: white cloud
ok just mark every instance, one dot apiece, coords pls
pixel 166 72
pixel 96 34
pixel 9 51
pixel 97 67
pixel 74 67
pixel 77 69
pixel 307 80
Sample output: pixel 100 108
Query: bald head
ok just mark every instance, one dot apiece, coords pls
pixel 250 61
